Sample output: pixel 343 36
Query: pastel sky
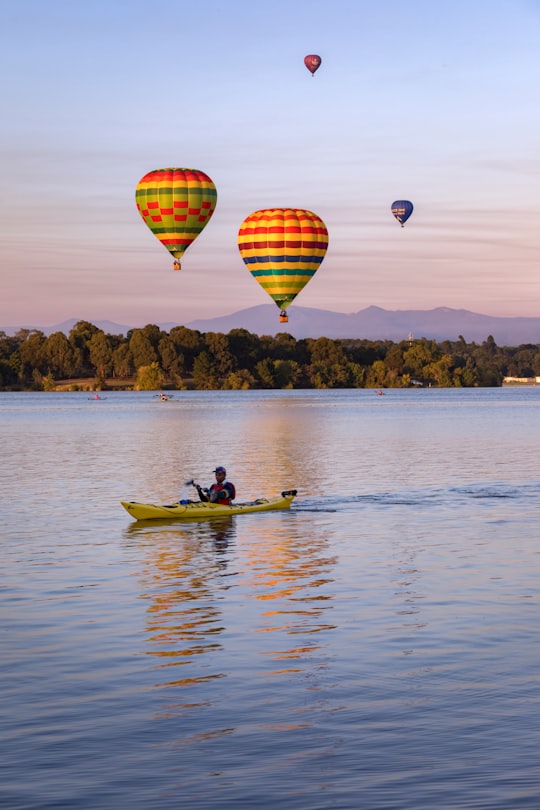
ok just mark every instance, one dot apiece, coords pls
pixel 433 102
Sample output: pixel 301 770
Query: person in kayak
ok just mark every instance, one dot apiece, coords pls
pixel 222 492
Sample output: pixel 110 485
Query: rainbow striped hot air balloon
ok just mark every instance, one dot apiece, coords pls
pixel 176 204
pixel 283 248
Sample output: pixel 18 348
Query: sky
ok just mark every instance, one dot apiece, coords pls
pixel 437 103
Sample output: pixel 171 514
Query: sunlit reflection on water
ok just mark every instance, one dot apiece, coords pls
pixel 181 582
pixel 292 577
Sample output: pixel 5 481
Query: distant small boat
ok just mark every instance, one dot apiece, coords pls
pixel 96 396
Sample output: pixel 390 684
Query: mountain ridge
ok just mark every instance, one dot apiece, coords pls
pixel 371 323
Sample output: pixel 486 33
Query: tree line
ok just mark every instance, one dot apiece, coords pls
pixel 151 358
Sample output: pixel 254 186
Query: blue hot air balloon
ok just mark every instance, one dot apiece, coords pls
pixel 402 209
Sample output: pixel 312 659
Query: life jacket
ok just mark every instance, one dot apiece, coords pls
pixel 226 486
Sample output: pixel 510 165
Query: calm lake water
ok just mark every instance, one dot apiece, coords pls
pixel 378 646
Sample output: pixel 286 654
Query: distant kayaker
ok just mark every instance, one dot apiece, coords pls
pixel 222 492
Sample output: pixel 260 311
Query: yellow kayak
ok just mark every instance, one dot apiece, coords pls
pixel 198 509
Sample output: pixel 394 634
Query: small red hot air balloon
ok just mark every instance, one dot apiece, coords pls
pixel 313 62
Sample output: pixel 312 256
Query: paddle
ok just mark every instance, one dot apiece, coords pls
pixel 202 496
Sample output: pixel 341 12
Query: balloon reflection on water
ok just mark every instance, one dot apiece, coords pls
pixel 181 581
pixel 290 575
pixel 185 581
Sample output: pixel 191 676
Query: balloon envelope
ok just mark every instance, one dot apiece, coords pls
pixel 402 209
pixel 176 204
pixel 313 62
pixel 283 249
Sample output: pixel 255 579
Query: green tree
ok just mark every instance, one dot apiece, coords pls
pixel 525 361
pixel 80 337
pixel 141 349
pixel 188 343
pixel 440 371
pixel 418 356
pixel 150 378
pixel 286 373
pixel 356 375
pixel 468 376
pixel 205 372
pixel 394 357
pixel 376 375
pixel 489 347
pixel 266 372
pixel 58 353
pixel 8 375
pixel 365 352
pixel 245 347
pixel 489 376
pixel 172 362
pixel 30 356
pixel 122 361
pixel 240 380
pixel 153 333
pixel 48 382
pixel 8 345
pixel 490 364
pixel 218 347
pixel 285 347
pixel 101 355
pixel 328 363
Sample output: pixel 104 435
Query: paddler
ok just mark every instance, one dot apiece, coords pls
pixel 222 492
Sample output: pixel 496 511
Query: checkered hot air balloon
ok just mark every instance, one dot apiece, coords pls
pixel 176 204
pixel 283 248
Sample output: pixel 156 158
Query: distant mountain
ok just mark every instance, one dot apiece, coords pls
pixel 375 323
pixel 372 323
pixel 109 327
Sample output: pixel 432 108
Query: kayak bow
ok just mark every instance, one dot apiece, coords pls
pixel 197 509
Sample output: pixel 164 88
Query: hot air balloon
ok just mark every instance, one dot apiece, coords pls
pixel 282 249
pixel 313 62
pixel 176 204
pixel 402 209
